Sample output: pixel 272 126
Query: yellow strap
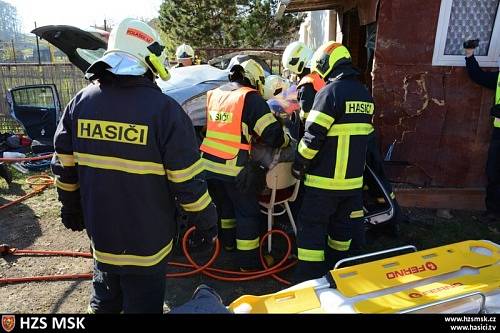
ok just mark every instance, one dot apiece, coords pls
pixel 66 186
pixel 247 245
pixel 119 164
pixel 303 115
pixel 223 169
pixel 311 255
pixel 306 152
pixel 350 129
pixel 339 245
pixel 262 123
pixel 497 97
pixel 333 184
pixel 228 223
pixel 320 118
pixel 66 160
pixel 132 260
pixel 199 204
pixel 355 214
pixel 392 195
pixel 182 175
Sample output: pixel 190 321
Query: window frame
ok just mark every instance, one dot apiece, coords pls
pixel 440 59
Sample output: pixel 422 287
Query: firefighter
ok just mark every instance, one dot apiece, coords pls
pixel 125 153
pixel 296 59
pixel 237 114
pixel 331 160
pixel 490 80
pixel 185 56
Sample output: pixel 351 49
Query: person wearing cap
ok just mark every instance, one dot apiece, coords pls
pixel 184 55
pixel 331 160
pixel 125 155
pixel 236 115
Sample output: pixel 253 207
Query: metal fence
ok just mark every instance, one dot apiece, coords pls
pixel 67 78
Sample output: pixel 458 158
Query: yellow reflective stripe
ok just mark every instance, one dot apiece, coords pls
pixel 66 186
pixel 224 136
pixel 342 157
pixel 496 122
pixel 132 260
pixel 311 255
pixel 380 200
pixel 66 160
pixel 199 204
pixel 350 129
pixel 333 184
pixel 220 168
pixel 263 122
pixel 339 245
pixel 357 214
pixel 306 152
pixel 228 223
pixel 119 164
pixel 247 245
pixel 220 146
pixel 392 195
pixel 320 118
pixel 179 176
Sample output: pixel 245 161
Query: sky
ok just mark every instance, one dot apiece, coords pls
pixel 81 13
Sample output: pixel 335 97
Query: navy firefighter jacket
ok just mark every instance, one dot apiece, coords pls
pixel 130 152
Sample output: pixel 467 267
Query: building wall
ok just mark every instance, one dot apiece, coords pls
pixel 437 116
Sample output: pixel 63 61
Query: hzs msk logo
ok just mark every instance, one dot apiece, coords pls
pixel 8 322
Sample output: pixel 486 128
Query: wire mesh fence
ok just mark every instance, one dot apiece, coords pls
pixel 67 78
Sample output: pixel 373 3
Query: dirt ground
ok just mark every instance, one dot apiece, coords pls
pixel 35 224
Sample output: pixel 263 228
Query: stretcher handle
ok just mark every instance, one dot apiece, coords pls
pixel 451 299
pixel 373 254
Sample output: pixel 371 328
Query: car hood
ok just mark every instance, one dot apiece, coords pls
pixel 71 39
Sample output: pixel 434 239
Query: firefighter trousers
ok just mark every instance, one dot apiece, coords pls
pixel 240 220
pixel 493 175
pixel 127 293
pixel 330 228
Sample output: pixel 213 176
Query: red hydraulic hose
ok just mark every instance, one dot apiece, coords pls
pixel 25 159
pixel 40 183
pixel 205 269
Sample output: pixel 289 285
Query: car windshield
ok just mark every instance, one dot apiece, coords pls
pixel 90 56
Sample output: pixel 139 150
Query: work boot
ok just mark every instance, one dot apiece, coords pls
pixel 5 173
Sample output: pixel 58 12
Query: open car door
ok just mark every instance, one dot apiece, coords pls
pixel 81 46
pixel 38 109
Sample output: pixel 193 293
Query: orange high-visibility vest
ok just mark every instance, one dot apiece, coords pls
pixel 224 114
pixel 313 78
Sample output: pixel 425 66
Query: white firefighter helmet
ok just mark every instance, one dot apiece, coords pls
pixel 184 51
pixel 135 40
pixel 275 84
pixel 296 57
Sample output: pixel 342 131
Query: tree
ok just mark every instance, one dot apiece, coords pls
pixel 9 21
pixel 259 27
pixel 226 23
pixel 200 23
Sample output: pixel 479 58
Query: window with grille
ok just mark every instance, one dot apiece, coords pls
pixel 460 20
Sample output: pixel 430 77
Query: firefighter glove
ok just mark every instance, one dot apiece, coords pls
pixel 299 170
pixel 495 111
